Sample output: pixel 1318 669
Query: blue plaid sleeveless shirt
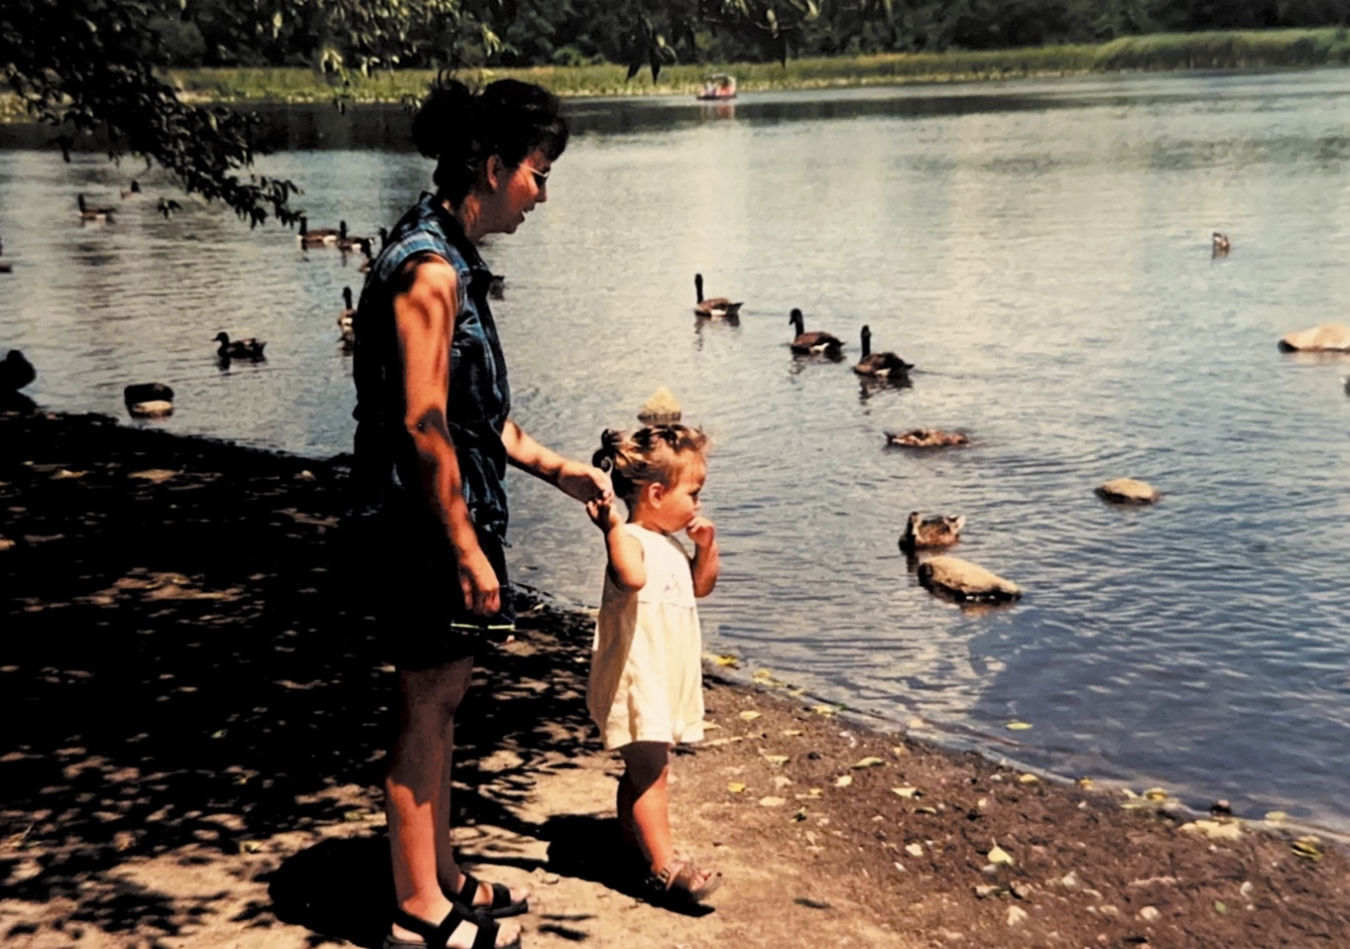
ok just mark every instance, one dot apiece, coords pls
pixel 479 400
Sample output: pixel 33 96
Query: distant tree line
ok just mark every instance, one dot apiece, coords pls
pixel 96 67
pixel 575 32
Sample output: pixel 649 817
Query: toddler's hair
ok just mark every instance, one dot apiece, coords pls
pixel 648 455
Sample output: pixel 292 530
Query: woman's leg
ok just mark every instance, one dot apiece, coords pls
pixel 415 794
pixel 448 873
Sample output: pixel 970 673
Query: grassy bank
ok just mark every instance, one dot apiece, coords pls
pixel 1159 52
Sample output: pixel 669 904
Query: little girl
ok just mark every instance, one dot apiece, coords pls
pixel 646 682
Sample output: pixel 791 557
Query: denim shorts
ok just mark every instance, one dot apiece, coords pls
pixel 416 600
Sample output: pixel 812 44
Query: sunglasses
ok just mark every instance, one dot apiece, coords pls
pixel 540 177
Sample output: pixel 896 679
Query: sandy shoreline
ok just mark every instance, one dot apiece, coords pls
pixel 195 722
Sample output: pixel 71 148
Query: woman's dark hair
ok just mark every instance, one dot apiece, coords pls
pixel 461 129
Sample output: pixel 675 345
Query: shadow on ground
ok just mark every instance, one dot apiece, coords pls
pixel 183 666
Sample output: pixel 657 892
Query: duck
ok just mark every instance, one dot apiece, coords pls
pixel 497 287
pixel 812 343
pixel 933 530
pixel 133 191
pixel 238 348
pixel 346 321
pixel 926 438
pixel 1221 244
pixel 322 236
pixel 880 365
pixel 88 213
pixel 15 372
pixel 714 307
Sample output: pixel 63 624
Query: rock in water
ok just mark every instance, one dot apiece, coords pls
pixel 661 408
pixel 148 399
pixel 965 581
pixel 1128 491
pixel 1333 337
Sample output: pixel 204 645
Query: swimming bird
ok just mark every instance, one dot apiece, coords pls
pixel 1221 244
pixel 349 242
pixel 934 530
pixel 321 236
pixel 239 348
pixel 5 265
pixel 346 321
pixel 15 372
pixel 880 365
pixel 926 438
pixel 89 213
pixel 133 191
pixel 715 307
pixel 367 257
pixel 497 287
pixel 815 342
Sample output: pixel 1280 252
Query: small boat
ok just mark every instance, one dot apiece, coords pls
pixel 718 86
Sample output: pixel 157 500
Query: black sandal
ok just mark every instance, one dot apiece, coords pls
pixel 501 906
pixel 435 937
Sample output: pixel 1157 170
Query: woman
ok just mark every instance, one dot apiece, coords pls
pixel 433 439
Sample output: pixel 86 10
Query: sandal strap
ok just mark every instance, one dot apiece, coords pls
pixel 469 890
pixel 436 936
pixel 501 894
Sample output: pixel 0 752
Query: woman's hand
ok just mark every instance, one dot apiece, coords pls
pixel 482 589
pixel 585 483
pixel 701 531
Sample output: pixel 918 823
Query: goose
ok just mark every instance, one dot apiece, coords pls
pixel 1221 244
pixel 15 372
pixel 367 257
pixel 805 343
pixel 880 365
pixel 239 348
pixel 346 321
pixel 320 237
pixel 88 213
pixel 133 191
pixel 349 242
pixel 926 438
pixel 933 530
pixel 715 307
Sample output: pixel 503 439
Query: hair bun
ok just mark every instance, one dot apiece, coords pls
pixel 446 109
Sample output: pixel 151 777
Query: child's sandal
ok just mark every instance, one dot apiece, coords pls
pixel 676 883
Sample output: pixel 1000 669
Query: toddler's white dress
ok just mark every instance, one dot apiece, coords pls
pixel 646 681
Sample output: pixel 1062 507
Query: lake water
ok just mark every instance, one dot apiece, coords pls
pixel 1040 250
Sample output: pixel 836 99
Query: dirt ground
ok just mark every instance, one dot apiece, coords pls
pixel 195 717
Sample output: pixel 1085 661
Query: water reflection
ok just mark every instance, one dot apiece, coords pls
pixel 1040 251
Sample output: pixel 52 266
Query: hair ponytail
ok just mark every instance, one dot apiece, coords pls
pixel 647 455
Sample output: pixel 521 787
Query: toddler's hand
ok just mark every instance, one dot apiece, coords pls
pixel 603 515
pixel 701 531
